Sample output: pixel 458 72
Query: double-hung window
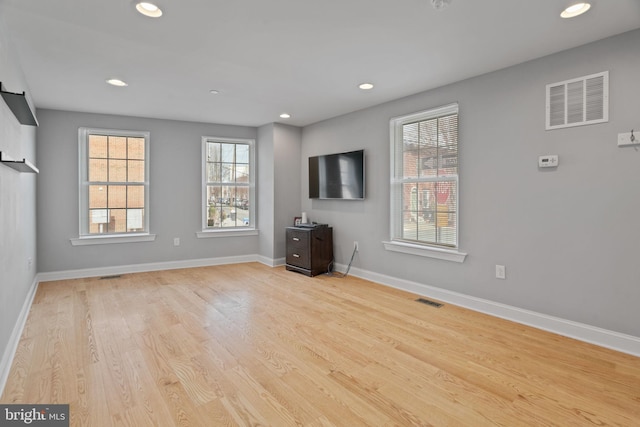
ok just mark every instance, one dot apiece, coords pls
pixel 228 186
pixel 424 183
pixel 114 183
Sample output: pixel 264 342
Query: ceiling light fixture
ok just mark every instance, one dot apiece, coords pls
pixel 285 116
pixel 575 9
pixel 117 82
pixel 148 9
pixel 214 92
pixel 366 86
pixel 440 4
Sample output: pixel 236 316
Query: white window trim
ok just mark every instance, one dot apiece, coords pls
pixel 109 239
pixel 251 230
pixel 425 251
pixel 100 239
pixel 397 244
pixel 206 234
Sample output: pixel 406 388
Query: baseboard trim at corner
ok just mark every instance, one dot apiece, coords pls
pixel 591 334
pixel 14 340
pixel 271 262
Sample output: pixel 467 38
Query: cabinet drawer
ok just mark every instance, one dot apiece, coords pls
pixel 298 256
pixel 299 239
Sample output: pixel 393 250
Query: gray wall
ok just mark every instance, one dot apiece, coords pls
pixel 279 178
pixel 287 142
pixel 17 204
pixel 570 238
pixel 265 196
pixel 175 193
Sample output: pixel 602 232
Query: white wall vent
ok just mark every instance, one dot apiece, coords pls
pixel 578 102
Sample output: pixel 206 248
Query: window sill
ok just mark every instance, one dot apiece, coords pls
pixel 110 239
pixel 205 234
pixel 425 251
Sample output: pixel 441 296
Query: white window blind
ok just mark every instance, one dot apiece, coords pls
pixel 424 182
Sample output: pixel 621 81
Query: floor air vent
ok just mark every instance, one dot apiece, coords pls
pixel 429 302
pixel 117 276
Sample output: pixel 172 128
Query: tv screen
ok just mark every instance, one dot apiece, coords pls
pixel 337 176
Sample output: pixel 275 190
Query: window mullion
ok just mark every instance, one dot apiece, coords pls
pixel 440 178
pixel 437 155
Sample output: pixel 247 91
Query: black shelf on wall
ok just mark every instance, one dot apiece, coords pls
pixel 19 106
pixel 23 165
pixel 17 103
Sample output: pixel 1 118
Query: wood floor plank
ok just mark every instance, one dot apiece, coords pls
pixel 215 413
pixel 249 345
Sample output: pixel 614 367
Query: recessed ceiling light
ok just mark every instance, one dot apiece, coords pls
pixel 149 9
pixel 285 116
pixel 440 4
pixel 575 9
pixel 214 92
pixel 366 86
pixel 117 82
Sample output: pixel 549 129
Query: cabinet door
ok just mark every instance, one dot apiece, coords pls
pixel 321 250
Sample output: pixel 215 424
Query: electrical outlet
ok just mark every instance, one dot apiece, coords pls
pixel 176 241
pixel 501 272
pixel 355 245
pixel 29 264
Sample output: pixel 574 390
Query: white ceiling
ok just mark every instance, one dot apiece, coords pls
pixel 272 56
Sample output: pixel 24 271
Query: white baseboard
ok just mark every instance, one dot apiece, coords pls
pixel 271 262
pixel 155 266
pixel 14 340
pixel 602 337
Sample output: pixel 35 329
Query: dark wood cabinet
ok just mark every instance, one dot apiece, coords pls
pixel 309 250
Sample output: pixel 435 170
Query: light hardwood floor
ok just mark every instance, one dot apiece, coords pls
pixel 248 344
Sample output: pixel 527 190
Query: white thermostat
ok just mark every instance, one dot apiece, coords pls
pixel 548 161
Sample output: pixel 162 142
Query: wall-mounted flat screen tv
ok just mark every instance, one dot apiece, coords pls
pixel 337 176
